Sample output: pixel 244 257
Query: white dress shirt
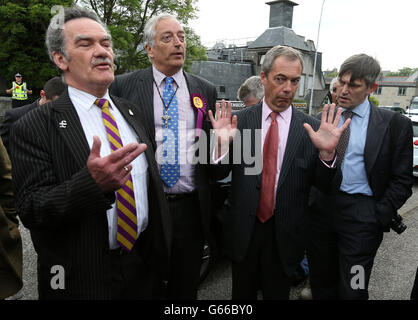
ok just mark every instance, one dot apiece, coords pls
pixel 91 120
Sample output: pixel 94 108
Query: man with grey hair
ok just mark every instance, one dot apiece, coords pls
pixel 333 87
pixel 175 104
pixel 251 91
pixel 86 178
pixel 264 230
pixel 375 155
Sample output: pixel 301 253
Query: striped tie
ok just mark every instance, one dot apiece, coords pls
pixel 125 198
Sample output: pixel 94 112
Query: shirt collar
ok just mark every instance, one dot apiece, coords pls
pixel 362 109
pixel 84 99
pixel 159 77
pixel 286 115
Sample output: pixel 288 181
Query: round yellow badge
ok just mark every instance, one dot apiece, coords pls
pixel 198 102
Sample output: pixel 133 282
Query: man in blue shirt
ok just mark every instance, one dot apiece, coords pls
pixel 375 157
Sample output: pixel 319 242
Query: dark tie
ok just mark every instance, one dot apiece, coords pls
pixel 125 198
pixel 270 149
pixel 345 137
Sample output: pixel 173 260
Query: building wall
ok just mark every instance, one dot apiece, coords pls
pixel 389 96
pixel 227 77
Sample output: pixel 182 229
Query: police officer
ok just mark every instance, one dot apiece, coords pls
pixel 19 92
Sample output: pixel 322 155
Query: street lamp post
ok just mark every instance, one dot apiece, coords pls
pixel 316 56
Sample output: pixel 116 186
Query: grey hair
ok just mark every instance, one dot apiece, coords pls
pixel 332 84
pixel 361 66
pixel 251 87
pixel 277 51
pixel 54 39
pixel 150 28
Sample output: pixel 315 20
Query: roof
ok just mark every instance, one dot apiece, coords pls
pixel 279 35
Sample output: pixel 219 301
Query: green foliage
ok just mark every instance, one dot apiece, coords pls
pixel 126 20
pixel 374 100
pixel 404 72
pixel 23 24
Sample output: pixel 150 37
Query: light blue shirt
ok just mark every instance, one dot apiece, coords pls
pixel 353 167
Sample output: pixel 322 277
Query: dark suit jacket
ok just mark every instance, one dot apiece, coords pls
pixel 10 240
pixel 63 207
pixel 10 117
pixel 301 169
pixel 388 157
pixel 137 87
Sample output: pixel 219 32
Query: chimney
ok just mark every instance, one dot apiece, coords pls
pixel 281 13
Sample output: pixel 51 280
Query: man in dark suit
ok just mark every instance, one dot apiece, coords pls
pixel 175 101
pixel 10 240
pixel 375 153
pixel 52 90
pixel 265 228
pixel 86 189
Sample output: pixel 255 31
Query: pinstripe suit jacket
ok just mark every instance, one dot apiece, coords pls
pixel 300 170
pixel 137 87
pixel 63 207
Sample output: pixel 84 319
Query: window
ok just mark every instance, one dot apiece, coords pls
pixel 310 82
pixel 302 85
pixel 378 91
pixel 401 91
pixel 261 58
pixel 222 89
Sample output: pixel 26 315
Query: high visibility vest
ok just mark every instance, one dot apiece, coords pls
pixel 20 92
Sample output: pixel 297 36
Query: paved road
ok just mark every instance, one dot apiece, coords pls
pixel 392 276
pixel 393 272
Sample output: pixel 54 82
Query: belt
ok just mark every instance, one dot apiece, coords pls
pixel 179 196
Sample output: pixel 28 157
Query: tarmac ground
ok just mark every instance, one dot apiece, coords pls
pixel 392 276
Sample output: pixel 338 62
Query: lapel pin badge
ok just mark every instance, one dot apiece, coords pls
pixel 130 112
pixel 63 124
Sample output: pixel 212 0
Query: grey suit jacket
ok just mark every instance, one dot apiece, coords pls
pixel 300 170
pixel 137 87
pixel 63 207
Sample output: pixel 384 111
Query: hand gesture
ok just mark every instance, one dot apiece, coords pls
pixel 112 172
pixel 328 134
pixel 224 128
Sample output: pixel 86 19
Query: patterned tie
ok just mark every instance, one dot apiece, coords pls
pixel 170 168
pixel 127 232
pixel 345 137
pixel 270 149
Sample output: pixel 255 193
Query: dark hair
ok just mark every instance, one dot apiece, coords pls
pixel 361 66
pixel 54 38
pixel 54 87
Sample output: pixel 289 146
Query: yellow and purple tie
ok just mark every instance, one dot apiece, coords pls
pixel 127 232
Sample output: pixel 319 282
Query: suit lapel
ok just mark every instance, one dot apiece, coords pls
pixel 68 125
pixel 296 133
pixel 193 88
pixel 373 140
pixel 133 117
pixel 145 88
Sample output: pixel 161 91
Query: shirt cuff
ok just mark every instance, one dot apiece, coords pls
pixel 330 163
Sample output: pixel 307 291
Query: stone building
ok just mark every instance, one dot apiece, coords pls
pixel 396 91
pixel 228 67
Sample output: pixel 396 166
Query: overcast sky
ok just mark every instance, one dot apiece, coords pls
pixel 386 30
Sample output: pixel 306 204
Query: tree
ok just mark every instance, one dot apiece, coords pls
pixel 374 100
pixel 126 20
pixel 23 24
pixel 404 72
